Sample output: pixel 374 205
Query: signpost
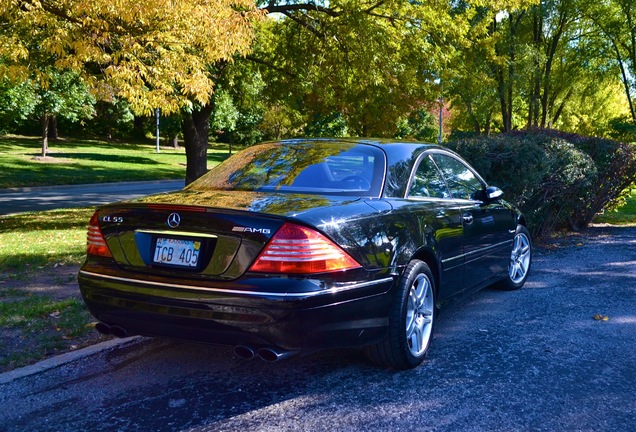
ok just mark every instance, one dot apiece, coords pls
pixel 157 115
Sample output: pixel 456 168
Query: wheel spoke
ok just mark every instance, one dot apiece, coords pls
pixel 410 322
pixel 514 268
pixel 416 338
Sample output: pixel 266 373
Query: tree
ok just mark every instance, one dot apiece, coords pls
pixel 153 53
pixel 226 115
pixel 544 63
pixel 64 96
pixel 371 62
pixel 617 21
pixel 17 102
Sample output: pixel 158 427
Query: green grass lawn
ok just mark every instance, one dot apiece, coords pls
pixel 33 240
pixel 73 161
pixel 44 250
pixel 624 215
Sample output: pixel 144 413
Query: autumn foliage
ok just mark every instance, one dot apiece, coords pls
pixel 153 53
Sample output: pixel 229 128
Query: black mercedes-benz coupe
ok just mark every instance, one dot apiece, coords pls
pixel 295 246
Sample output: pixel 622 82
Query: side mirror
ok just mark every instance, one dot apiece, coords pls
pixel 493 192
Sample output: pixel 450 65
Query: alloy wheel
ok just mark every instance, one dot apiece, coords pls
pixel 419 315
pixel 519 258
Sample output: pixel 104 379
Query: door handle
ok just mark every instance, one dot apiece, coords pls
pixel 467 218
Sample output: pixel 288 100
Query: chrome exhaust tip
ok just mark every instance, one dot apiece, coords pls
pixel 244 352
pixel 274 354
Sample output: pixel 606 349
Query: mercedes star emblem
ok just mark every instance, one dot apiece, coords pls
pixel 174 220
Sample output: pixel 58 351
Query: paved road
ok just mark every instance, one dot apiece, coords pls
pixel 47 198
pixel 533 359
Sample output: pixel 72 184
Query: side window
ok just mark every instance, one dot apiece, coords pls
pixel 428 182
pixel 460 179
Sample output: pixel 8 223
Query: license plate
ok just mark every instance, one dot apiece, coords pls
pixel 183 253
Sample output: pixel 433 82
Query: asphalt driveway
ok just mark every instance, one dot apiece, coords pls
pixel 533 359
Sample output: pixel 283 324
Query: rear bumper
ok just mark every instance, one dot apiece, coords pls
pixel 291 313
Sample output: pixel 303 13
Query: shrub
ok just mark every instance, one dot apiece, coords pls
pixel 560 181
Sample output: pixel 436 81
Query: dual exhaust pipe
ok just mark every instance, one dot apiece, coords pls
pixel 116 331
pixel 268 354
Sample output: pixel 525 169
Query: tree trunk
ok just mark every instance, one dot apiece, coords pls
pixel 535 90
pixel 196 126
pixel 625 79
pixel 471 113
pixel 552 47
pixel 139 124
pixel 504 83
pixel 558 112
pixel 53 132
pixel 44 121
pixel 174 141
pixel 487 124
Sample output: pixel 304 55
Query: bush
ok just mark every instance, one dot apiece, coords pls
pixel 560 181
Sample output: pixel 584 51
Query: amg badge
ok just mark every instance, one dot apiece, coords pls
pixel 251 230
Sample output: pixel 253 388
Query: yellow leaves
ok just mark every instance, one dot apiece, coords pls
pixel 152 52
pixel 601 317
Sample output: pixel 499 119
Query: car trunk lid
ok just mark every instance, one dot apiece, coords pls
pixel 193 239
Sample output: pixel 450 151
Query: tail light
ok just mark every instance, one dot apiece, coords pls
pixel 95 241
pixel 300 250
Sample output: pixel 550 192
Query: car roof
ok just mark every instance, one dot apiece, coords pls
pixel 395 149
pixel 380 142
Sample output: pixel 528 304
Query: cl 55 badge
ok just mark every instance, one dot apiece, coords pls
pixel 251 230
pixel 115 219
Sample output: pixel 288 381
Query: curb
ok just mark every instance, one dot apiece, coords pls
pixel 68 357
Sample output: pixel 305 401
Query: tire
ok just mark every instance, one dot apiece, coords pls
pixel 520 260
pixel 411 320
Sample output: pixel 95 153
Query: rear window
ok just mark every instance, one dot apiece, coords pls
pixel 314 168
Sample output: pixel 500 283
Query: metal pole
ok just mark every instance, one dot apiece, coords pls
pixel 157 115
pixel 441 112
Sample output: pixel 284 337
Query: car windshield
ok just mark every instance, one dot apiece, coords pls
pixel 324 168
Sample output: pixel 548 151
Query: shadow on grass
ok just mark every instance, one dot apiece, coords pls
pixel 8 143
pixel 109 158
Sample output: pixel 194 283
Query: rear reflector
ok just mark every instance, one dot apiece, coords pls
pixel 95 241
pixel 299 250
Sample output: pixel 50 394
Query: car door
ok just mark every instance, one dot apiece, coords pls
pixel 439 214
pixel 486 223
